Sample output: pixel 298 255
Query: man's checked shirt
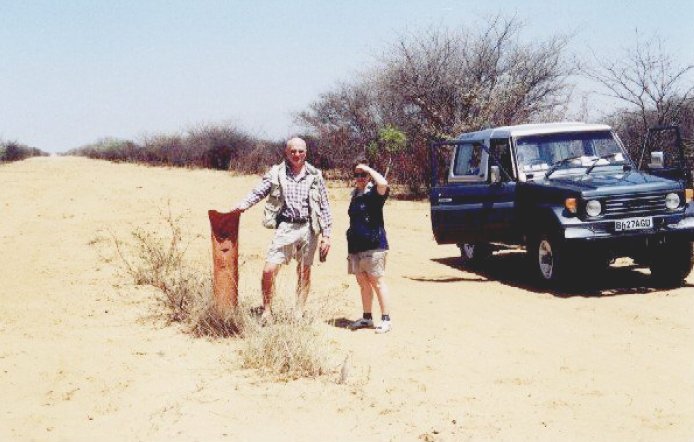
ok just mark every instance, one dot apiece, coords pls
pixel 295 198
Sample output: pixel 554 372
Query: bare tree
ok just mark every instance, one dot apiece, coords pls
pixel 346 119
pixel 453 82
pixel 648 80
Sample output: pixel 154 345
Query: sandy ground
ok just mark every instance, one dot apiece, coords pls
pixel 473 355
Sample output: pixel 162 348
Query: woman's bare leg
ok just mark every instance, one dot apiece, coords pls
pixel 367 296
pixel 381 288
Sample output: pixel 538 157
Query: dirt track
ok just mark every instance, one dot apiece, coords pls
pixel 473 356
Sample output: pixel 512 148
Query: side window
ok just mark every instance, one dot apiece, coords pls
pixel 501 148
pixel 469 163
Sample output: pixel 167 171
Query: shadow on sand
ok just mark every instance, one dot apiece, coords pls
pixel 341 322
pixel 513 268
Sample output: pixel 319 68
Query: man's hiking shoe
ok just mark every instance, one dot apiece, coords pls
pixel 298 315
pixel 266 319
pixel 361 323
pixel 384 327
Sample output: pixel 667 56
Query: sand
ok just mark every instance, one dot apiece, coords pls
pixel 473 355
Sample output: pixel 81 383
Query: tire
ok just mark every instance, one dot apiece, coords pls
pixel 671 263
pixel 474 253
pixel 550 260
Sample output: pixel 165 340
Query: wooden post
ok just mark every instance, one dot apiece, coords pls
pixel 225 258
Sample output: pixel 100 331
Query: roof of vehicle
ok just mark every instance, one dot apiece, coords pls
pixel 533 129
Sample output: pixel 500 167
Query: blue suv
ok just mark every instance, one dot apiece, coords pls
pixel 570 194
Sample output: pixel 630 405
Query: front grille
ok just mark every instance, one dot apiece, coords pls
pixel 634 205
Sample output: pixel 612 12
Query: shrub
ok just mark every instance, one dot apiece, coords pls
pixel 258 158
pixel 14 151
pixel 289 348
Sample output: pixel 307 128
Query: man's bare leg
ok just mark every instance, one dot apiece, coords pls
pixel 303 285
pixel 268 286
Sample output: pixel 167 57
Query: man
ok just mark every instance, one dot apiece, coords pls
pixel 298 207
pixel 475 158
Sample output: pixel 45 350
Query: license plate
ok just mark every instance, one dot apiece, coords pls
pixel 644 222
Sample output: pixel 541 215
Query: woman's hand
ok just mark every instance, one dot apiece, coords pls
pixel 363 168
pixel 379 180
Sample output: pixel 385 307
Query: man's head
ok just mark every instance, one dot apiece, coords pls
pixel 295 152
pixel 476 154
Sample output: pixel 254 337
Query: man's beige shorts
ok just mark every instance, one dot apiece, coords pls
pixel 293 241
pixel 372 262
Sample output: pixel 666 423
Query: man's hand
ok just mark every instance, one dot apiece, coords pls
pixel 324 249
pixel 237 209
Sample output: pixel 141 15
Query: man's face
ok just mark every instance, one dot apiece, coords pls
pixel 296 154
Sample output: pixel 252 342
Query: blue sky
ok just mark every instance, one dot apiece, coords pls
pixel 74 71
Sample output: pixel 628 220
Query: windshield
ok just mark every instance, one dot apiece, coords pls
pixel 536 154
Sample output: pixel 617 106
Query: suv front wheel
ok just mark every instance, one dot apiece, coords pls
pixel 671 263
pixel 549 259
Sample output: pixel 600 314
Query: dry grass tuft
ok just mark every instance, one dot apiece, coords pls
pixel 158 260
pixel 294 344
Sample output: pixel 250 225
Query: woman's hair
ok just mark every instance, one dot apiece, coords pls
pixel 360 160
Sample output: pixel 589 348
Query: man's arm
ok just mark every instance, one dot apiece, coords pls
pixel 326 216
pixel 258 193
pixel 327 221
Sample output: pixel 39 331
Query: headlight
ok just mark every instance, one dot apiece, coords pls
pixel 672 201
pixel 593 208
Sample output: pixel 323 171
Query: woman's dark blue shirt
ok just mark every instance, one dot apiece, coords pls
pixel 366 227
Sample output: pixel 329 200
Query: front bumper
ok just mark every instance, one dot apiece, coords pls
pixel 604 230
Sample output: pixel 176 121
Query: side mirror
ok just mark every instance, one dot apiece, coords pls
pixel 494 174
pixel 657 160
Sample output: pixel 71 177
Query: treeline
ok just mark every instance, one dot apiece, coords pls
pixel 218 146
pixel 436 85
pixel 14 151
pixel 433 86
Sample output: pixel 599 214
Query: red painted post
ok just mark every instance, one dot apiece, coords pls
pixel 225 258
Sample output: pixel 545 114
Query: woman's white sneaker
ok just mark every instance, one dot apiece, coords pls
pixel 384 327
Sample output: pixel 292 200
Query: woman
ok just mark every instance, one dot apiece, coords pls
pixel 367 244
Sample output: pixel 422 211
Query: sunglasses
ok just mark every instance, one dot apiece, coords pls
pixel 360 174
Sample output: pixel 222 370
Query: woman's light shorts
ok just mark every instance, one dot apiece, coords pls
pixel 372 262
pixel 293 241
